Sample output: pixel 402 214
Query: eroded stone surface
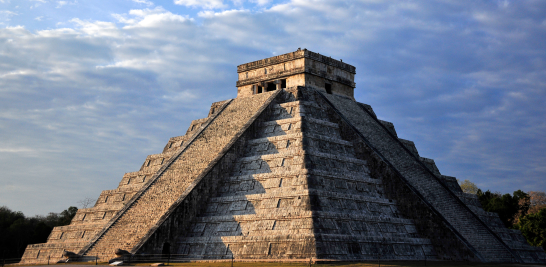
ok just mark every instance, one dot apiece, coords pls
pixel 297 170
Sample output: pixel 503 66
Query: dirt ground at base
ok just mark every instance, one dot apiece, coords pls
pixel 301 264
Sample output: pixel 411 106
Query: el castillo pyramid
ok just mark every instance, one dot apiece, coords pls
pixel 293 168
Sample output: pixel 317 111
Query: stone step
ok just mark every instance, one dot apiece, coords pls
pixel 298 108
pixel 292 159
pixel 433 194
pixel 352 176
pixel 355 177
pixel 72 235
pixel 175 143
pixel 301 214
pixel 279 127
pixel 281 111
pixel 293 194
pixel 248 247
pixel 321 143
pixel 276 145
pixel 229 239
pixel 86 226
pixel 300 179
pixel 294 125
pixel 137 174
pixel 127 229
pixel 251 228
pixel 285 201
pixel 295 120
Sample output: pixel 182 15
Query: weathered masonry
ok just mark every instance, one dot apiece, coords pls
pixel 293 168
pixel 299 68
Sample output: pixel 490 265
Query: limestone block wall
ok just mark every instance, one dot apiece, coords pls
pixel 290 174
pixel 299 68
pixel 513 238
pixel 341 81
pixel 499 247
pixel 456 215
pixel 89 222
pixel 278 205
pixel 261 209
pixel 272 70
pixel 175 143
pixel 389 126
pixel 410 145
pixel 146 212
pixel 353 218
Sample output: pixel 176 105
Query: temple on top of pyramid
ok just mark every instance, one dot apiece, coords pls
pixel 299 68
pixel 292 169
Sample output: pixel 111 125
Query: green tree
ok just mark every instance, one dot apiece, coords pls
pixel 11 224
pixel 507 206
pixel 533 228
pixel 17 231
pixel 468 187
pixel 537 201
pixel 67 215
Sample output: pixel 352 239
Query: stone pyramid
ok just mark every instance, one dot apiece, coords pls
pixel 293 168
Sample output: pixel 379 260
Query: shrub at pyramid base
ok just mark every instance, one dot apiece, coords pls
pixel 293 168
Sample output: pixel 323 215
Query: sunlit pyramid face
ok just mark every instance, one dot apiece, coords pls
pixel 292 169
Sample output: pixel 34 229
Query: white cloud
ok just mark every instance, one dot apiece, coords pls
pixel 503 3
pixel 181 97
pixel 5 15
pixel 145 2
pixel 208 4
pixel 150 18
pixel 261 2
pixel 464 81
pixel 225 13
pixel 97 28
pixel 39 18
pixel 16 150
pixel 61 3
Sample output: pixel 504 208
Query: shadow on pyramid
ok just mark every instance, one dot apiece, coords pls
pixel 292 169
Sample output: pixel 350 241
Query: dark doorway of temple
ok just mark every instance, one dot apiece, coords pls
pixel 271 87
pixel 328 88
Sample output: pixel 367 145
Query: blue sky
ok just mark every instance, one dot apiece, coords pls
pixel 89 88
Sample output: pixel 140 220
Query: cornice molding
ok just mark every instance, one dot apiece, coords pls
pixel 293 56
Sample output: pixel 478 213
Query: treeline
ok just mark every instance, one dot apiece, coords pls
pixel 525 211
pixel 17 230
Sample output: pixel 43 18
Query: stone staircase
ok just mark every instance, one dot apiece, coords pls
pixel 90 221
pixel 353 217
pixel 147 210
pixel 469 228
pixel 261 209
pixel 299 192
pixel 290 174
pixel 511 237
